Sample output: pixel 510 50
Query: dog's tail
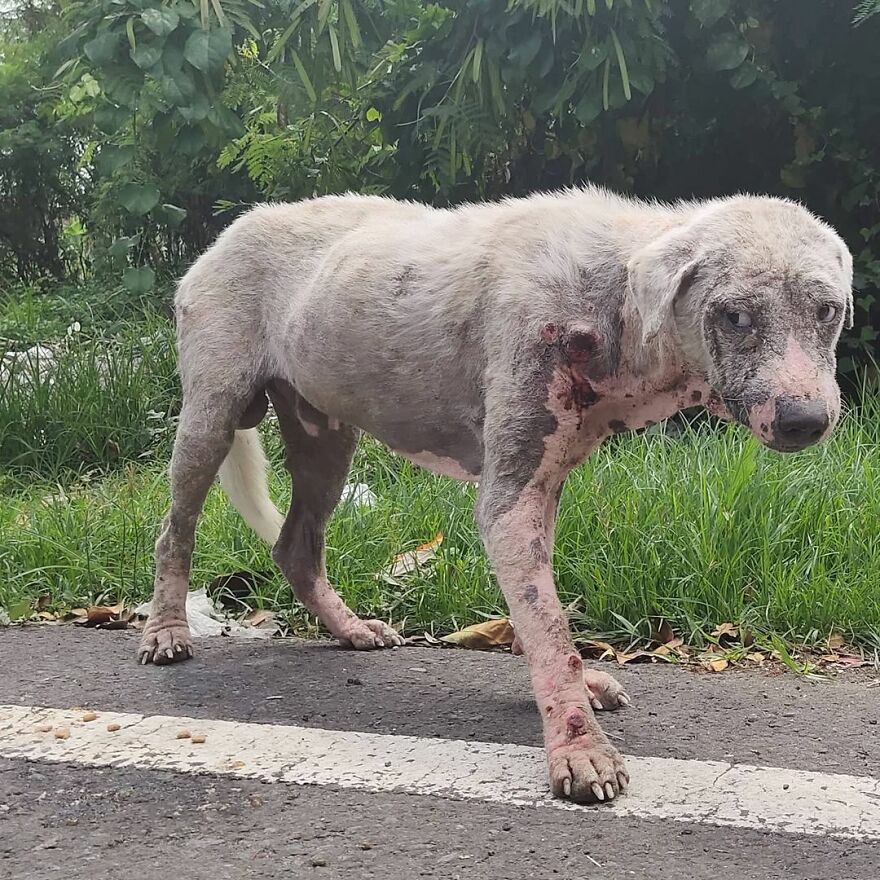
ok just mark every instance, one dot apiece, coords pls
pixel 243 478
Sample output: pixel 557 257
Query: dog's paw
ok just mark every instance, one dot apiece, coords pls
pixel 165 641
pixel 604 690
pixel 586 771
pixel 367 635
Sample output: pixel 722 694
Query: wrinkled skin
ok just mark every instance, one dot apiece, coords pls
pixel 501 343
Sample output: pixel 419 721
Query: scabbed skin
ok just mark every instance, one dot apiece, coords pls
pixel 500 343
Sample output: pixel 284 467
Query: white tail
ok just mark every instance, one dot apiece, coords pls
pixel 243 478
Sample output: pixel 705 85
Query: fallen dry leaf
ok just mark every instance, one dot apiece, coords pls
pixel 835 641
pixel 90 716
pixel 756 657
pixel 102 614
pixel 852 660
pixel 598 650
pixel 258 616
pixel 718 665
pixel 602 650
pixel 410 561
pixel 661 630
pixel 113 728
pixel 62 733
pixel 726 631
pixel 495 633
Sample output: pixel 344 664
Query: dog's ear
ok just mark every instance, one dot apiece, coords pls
pixel 659 274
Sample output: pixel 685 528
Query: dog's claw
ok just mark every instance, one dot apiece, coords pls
pixel 367 635
pixel 165 642
pixel 604 691
pixel 597 791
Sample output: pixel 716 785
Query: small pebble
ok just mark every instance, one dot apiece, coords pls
pixel 183 734
pixel 43 728
pixel 61 733
pixel 113 728
pixel 199 738
pixel 319 863
pixel 90 716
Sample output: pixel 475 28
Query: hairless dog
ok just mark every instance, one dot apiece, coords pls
pixel 500 343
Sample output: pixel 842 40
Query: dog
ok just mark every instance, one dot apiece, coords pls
pixel 500 343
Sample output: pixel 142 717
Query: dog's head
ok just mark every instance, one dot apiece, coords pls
pixel 755 292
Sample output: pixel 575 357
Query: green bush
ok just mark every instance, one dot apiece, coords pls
pixel 158 120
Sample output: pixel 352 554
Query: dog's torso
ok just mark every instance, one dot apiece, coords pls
pixel 408 322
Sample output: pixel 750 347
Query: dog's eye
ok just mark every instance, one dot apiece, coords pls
pixel 740 320
pixel 826 314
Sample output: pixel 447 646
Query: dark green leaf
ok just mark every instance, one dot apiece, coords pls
pixel 139 279
pixel 160 21
pixel 122 246
pixel 707 12
pixel 589 106
pixel 173 215
pixel 208 50
pixel 196 109
pixel 138 198
pixel 146 56
pixel 109 118
pixel 744 76
pixel 102 48
pixel 727 52
pixel 112 158
pixel 523 54
pixel 592 56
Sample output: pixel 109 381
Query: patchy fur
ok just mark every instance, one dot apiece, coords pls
pixel 501 342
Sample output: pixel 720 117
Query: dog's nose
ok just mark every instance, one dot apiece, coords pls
pixel 800 422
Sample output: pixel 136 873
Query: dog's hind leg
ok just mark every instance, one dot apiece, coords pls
pixel 203 439
pixel 318 458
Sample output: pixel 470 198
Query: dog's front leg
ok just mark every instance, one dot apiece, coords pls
pixel 583 764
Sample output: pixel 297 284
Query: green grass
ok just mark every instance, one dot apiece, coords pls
pixel 699 529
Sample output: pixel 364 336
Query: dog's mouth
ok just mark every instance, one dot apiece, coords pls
pixel 786 423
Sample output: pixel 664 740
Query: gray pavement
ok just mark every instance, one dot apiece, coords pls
pixel 68 821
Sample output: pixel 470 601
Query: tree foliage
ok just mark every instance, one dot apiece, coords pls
pixel 151 122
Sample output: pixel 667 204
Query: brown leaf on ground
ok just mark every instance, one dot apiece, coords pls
pixel 604 651
pixel 851 660
pixel 597 650
pixel 412 560
pixel 99 614
pixel 757 658
pixel 718 665
pixel 673 648
pixel 258 616
pixel 661 630
pixel 495 633
pixel 835 642
pixel 726 632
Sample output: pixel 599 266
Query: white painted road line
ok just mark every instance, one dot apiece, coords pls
pixel 712 792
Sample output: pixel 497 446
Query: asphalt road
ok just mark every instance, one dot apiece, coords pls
pixel 61 818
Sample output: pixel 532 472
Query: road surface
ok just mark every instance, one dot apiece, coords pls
pixel 323 763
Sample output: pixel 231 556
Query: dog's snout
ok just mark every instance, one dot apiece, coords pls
pixel 800 422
